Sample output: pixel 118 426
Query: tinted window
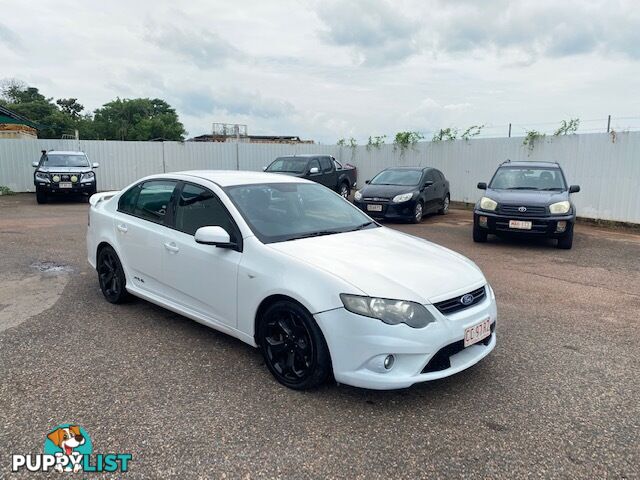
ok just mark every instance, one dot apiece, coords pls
pixel 54 160
pixel 397 177
pixel 127 201
pixel 431 176
pixel 325 163
pixel 279 212
pixel 153 200
pixel 523 178
pixel 439 174
pixel 288 164
pixel 198 207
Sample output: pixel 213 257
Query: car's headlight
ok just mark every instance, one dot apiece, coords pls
pixel 87 177
pixel 560 207
pixel 357 195
pixel 488 204
pixel 391 312
pixel 403 197
pixel 42 177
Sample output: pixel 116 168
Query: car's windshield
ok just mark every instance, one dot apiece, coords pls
pixel 65 161
pixel 523 178
pixel 288 164
pixel 397 177
pixel 278 212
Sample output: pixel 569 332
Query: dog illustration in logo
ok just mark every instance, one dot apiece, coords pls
pixel 67 439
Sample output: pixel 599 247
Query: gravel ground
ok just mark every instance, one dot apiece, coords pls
pixel 558 398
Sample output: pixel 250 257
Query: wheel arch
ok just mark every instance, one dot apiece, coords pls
pixel 266 303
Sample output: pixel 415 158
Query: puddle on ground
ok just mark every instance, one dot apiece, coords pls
pixel 51 267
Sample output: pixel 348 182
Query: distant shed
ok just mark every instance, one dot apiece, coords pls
pixel 13 125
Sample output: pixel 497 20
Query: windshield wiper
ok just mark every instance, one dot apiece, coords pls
pixel 319 233
pixel 551 188
pixel 522 188
pixel 361 227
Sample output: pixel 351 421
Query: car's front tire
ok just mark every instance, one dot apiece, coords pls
pixel 418 213
pixel 293 346
pixel 111 276
pixel 41 196
pixel 344 190
pixel 479 235
pixel 565 242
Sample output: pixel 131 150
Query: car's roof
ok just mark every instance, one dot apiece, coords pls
pixel 305 155
pixel 226 178
pixel 64 152
pixel 407 168
pixel 531 164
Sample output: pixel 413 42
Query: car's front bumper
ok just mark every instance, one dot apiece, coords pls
pixel 54 188
pixel 390 211
pixel 358 346
pixel 546 226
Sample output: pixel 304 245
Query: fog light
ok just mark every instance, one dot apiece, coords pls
pixel 561 226
pixel 389 361
pixel 56 178
pixel 482 221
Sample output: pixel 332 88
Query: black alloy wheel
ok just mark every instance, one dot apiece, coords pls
pixel 293 346
pixel 111 276
pixel 344 190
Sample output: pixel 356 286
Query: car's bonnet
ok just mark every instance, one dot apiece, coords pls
pixel 386 191
pixel 385 263
pixel 64 169
pixel 526 197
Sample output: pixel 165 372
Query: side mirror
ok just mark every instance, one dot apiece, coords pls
pixel 95 164
pixel 574 188
pixel 367 182
pixel 482 185
pixel 314 170
pixel 216 236
pixel 34 164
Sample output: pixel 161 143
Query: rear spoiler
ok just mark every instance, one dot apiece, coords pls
pixel 96 198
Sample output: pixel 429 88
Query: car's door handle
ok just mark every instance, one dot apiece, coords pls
pixel 172 247
pixel 122 227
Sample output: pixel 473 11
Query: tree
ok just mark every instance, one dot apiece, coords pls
pixel 138 119
pixel 70 106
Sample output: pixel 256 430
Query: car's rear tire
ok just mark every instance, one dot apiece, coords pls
pixel 479 235
pixel 565 242
pixel 293 346
pixel 41 197
pixel 445 205
pixel 344 190
pixel 111 276
pixel 418 213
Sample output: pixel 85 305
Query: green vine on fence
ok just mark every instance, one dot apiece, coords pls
pixel 567 127
pixel 405 140
pixel 531 137
pixel 376 142
pixel 448 134
pixel 472 131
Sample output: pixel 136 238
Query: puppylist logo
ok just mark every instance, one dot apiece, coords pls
pixel 68 448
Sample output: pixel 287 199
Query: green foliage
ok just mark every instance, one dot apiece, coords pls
pixel 376 142
pixel 404 140
pixel 567 127
pixel 341 142
pixel 472 131
pixel 531 137
pixel 445 134
pixel 5 190
pixel 127 119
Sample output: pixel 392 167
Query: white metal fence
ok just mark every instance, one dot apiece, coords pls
pixel 607 167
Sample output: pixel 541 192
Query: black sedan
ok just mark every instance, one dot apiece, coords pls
pixel 404 193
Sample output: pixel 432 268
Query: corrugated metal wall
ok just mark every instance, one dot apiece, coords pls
pixel 606 167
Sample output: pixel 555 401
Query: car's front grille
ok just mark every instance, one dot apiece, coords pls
pixel 456 304
pixel 65 177
pixel 523 210
pixel 442 359
pixel 375 199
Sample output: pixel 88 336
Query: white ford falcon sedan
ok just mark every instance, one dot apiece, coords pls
pixel 290 267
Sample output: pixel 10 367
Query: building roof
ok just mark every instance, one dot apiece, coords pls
pixel 9 116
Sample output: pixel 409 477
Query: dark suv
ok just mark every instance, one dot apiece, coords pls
pixel 526 198
pixel 61 173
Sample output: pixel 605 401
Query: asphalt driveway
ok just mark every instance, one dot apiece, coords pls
pixel 558 398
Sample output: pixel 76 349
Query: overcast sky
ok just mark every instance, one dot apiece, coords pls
pixel 331 69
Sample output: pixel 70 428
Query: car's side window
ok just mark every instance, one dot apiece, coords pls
pixel 128 199
pixel 153 200
pixel 438 174
pixel 325 163
pixel 198 207
pixel 314 163
pixel 430 176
